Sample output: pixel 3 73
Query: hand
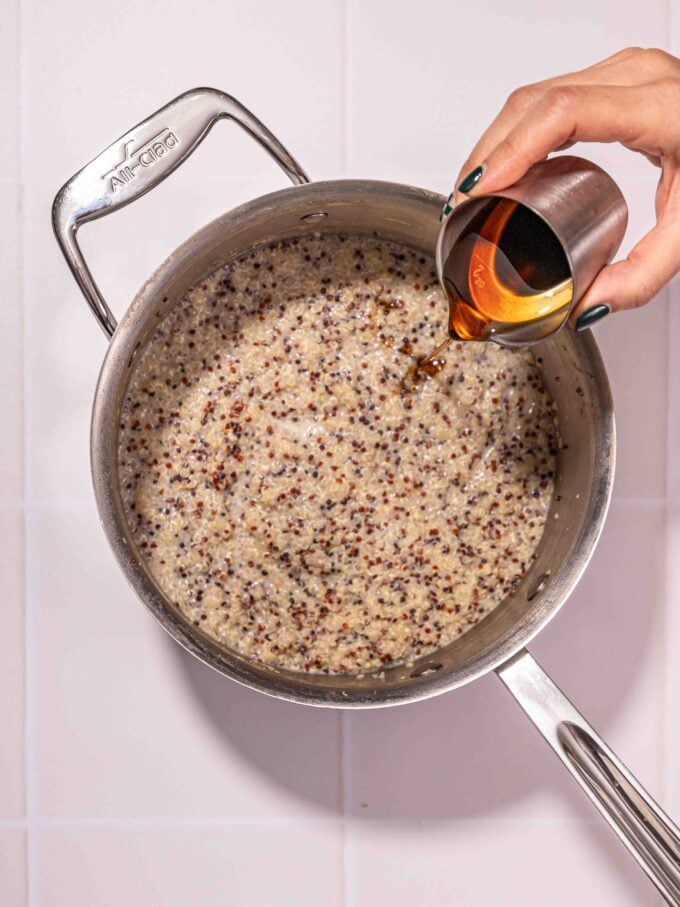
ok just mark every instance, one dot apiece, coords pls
pixel 632 98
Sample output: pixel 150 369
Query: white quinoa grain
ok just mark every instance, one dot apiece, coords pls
pixel 297 498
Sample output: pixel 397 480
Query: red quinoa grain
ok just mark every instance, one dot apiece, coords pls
pixel 319 512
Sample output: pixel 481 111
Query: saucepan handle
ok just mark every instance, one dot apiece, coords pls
pixel 640 823
pixel 137 162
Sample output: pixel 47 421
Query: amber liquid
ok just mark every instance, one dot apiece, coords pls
pixel 506 270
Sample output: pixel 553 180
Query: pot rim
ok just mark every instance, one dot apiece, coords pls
pixel 295 686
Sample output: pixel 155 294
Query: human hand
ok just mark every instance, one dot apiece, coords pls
pixel 631 98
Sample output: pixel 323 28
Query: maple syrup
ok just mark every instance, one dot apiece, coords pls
pixel 430 365
pixel 424 367
pixel 506 270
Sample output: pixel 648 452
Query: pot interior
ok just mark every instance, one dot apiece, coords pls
pixel 574 376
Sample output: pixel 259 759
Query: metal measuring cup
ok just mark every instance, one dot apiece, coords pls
pixel 584 209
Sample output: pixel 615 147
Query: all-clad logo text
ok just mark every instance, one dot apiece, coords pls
pixel 146 156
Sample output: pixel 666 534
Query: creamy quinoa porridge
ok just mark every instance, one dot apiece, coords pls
pixel 299 499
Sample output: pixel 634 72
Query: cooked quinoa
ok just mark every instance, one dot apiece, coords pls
pixel 297 494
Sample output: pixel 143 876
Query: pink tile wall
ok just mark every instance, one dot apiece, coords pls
pixel 179 865
pixel 11 310
pixel 497 861
pixel 130 773
pixel 12 755
pixel 13 867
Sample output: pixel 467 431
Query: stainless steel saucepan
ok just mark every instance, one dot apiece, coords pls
pixel 573 373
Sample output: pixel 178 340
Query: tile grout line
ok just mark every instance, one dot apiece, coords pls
pixel 331 821
pixel 29 727
pixel 665 786
pixel 343 87
pixel 12 823
pixel 342 901
pixel 664 697
pixel 670 18
pixel 346 756
pixel 669 777
pixel 672 438
pixel 663 711
pixel 665 705
pixel 179 822
pixel 346 87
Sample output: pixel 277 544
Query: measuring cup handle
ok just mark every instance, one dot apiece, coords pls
pixel 137 162
pixel 640 823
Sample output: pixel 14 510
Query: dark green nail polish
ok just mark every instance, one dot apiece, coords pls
pixel 447 209
pixel 471 179
pixel 590 316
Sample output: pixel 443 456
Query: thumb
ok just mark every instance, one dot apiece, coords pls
pixel 637 279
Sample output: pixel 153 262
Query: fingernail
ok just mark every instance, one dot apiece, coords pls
pixel 447 209
pixel 471 179
pixel 590 316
